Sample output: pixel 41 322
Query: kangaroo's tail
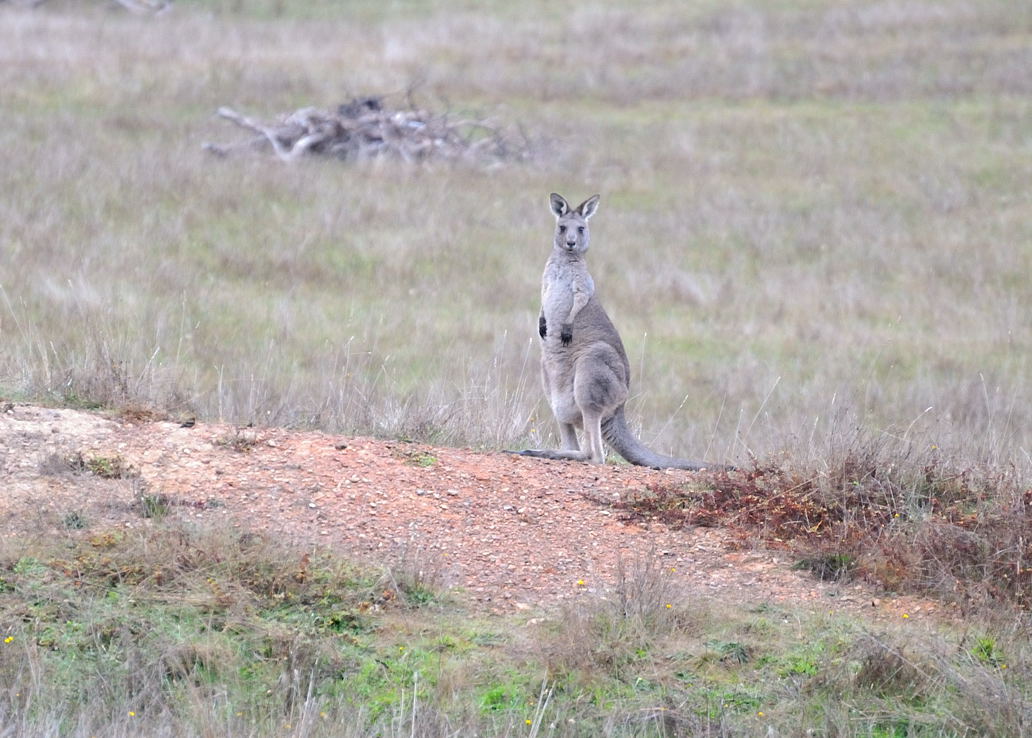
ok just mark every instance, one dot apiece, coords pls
pixel 619 436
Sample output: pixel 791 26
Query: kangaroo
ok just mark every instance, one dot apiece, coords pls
pixel 584 367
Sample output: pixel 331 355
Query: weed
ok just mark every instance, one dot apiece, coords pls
pixel 105 467
pixel 56 464
pixel 414 457
pixel 829 567
pixel 731 652
pixel 240 440
pixel 887 671
pixel 621 631
pixel 108 467
pixel 423 460
pixel 74 520
pixel 719 701
pixel 895 729
pixel 987 651
pixel 499 698
pixel 799 664
pixel 417 575
pixel 137 413
pixel 155 506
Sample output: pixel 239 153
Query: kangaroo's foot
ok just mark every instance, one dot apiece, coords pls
pixel 554 454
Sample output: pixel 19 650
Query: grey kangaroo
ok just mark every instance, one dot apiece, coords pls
pixel 584 367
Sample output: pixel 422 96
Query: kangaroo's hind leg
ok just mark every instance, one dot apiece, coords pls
pixel 568 435
pixel 596 451
pixel 600 386
pixel 570 451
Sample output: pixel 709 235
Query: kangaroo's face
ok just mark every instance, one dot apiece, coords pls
pixel 571 226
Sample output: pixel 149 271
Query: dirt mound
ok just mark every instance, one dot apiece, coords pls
pixel 506 532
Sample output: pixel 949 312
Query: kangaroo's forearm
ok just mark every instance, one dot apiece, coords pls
pixel 580 299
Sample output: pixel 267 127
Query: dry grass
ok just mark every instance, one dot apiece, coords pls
pixel 907 519
pixel 809 209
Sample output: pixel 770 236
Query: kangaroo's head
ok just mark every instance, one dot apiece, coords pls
pixel 571 226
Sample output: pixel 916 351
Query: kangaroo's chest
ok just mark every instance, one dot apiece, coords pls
pixel 559 284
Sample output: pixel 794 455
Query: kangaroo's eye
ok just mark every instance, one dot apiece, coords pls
pixel 562 229
pixel 580 229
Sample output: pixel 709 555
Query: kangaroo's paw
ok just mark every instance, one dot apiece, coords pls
pixel 540 453
pixel 566 333
pixel 547 453
pixel 542 327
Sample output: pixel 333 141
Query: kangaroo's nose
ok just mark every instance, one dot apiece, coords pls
pixel 571 244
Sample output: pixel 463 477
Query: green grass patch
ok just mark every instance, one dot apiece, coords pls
pixel 175 628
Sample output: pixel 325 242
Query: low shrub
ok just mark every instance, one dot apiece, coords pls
pixel 908 521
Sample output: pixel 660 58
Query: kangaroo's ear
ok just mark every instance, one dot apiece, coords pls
pixel 559 205
pixel 588 207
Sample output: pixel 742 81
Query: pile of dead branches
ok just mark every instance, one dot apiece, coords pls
pixel 367 128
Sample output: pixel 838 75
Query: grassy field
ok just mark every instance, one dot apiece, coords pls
pixel 814 214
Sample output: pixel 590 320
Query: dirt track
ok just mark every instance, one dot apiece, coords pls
pixel 508 532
